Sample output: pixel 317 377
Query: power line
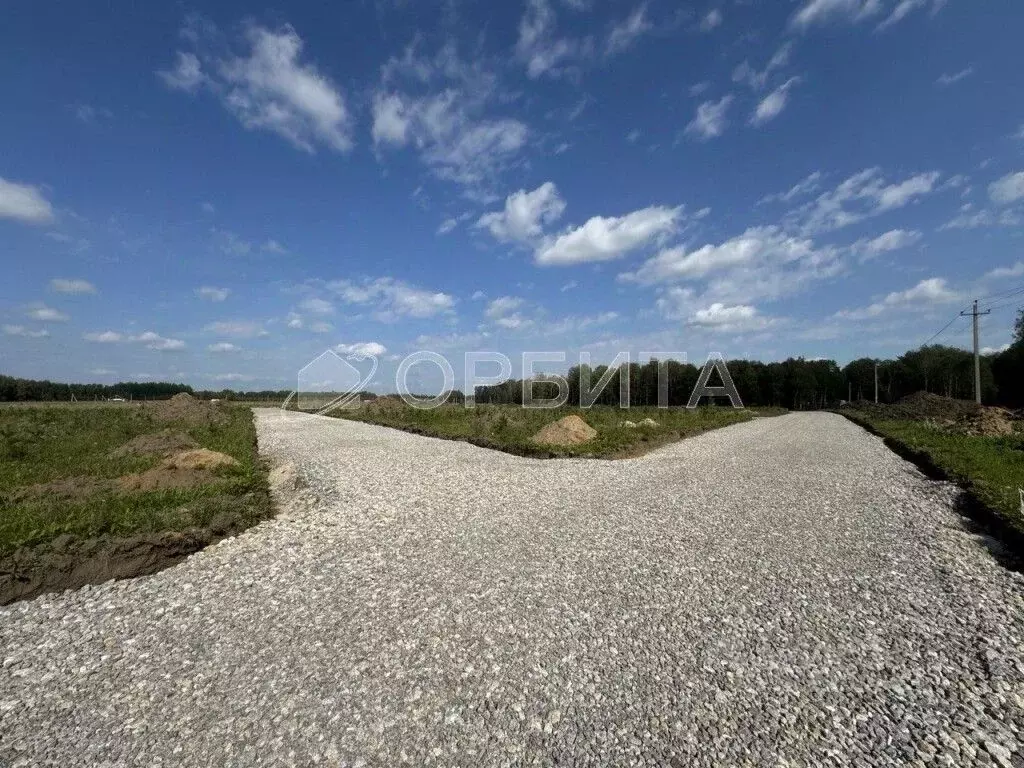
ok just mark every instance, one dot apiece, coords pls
pixel 1003 294
pixel 941 330
pixel 1014 304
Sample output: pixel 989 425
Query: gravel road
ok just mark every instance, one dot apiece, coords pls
pixel 784 592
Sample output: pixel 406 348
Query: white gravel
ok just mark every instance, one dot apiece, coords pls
pixel 782 592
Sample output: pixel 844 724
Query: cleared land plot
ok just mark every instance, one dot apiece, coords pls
pixel 511 428
pixel 779 592
pixel 86 492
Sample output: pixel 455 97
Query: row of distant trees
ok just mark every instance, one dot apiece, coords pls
pixel 14 389
pixel 796 383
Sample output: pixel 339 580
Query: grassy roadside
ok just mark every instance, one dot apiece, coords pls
pixel 510 428
pixel 989 468
pixel 61 473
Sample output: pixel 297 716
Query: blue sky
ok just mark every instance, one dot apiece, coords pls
pixel 217 195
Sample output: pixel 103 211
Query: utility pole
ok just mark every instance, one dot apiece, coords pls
pixel 974 313
pixel 876 382
pixel 849 388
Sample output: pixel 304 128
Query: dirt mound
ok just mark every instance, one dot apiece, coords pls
pixel 185 409
pixel 165 443
pixel 385 403
pixel 65 489
pixel 991 422
pixel 922 406
pixel 572 430
pixel 188 469
pixel 925 405
pixel 200 458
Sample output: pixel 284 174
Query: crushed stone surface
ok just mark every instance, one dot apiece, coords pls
pixel 782 592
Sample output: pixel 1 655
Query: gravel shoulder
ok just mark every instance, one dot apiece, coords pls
pixel 784 591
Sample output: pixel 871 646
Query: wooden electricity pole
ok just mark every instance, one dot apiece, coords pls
pixel 974 314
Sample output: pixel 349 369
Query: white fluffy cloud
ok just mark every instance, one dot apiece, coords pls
pixel 759 245
pixel 439 106
pixel 242 329
pixel 861 196
pixel 156 341
pixel 65 285
pixel 103 337
pixel 504 312
pixel 24 202
pixel 712 19
pixel 46 314
pixel 20 330
pixel 317 306
pixel 1008 189
pixel 710 120
pixel 150 339
pixel 607 238
pixel 539 46
pixel 186 75
pixel 955 77
pixel 270 88
pixel 893 240
pixel 223 347
pixel 525 214
pixel 814 12
pixel 629 30
pixel 392 299
pixel 211 293
pixel 758 79
pixel 362 349
pixel 739 318
pixel 925 295
pixel 771 106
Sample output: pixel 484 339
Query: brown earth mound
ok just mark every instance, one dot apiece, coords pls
pixel 184 408
pixel 65 489
pixel 925 405
pixel 991 422
pixel 385 403
pixel 921 406
pixel 959 416
pixel 188 469
pixel 165 443
pixel 572 430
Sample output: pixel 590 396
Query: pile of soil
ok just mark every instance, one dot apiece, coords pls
pixel 925 406
pixel 990 422
pixel 187 469
pixel 961 416
pixel 185 409
pixel 921 406
pixel 572 430
pixel 165 443
pixel 387 403
pixel 65 489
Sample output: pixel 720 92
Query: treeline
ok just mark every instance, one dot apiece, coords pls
pixel 12 389
pixel 797 383
pixel 15 389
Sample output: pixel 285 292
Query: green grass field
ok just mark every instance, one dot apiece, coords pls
pixel 57 466
pixel 510 428
pixel 990 468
